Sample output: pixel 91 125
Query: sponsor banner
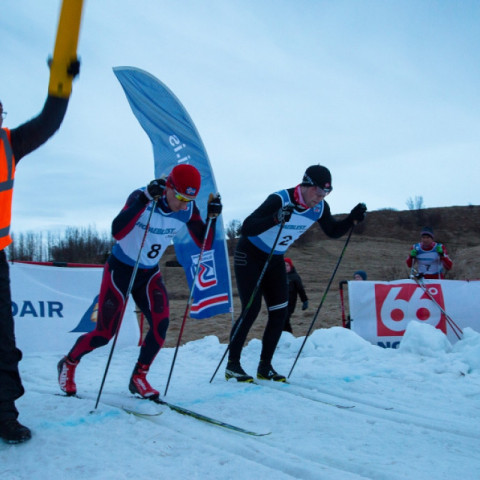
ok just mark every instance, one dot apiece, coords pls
pixel 175 141
pixel 53 306
pixel 381 311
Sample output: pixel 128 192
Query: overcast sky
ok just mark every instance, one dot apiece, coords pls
pixel 384 93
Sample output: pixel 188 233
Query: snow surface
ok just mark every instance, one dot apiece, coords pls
pixel 415 414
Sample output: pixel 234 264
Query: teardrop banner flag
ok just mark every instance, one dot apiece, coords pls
pixel 175 140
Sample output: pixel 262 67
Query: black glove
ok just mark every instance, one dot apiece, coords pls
pixel 358 212
pixel 284 214
pixel 74 68
pixel 305 305
pixel 214 207
pixel 155 189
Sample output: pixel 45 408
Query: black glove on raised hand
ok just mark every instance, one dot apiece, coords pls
pixel 74 68
pixel 214 207
pixel 155 189
pixel 284 214
pixel 358 213
pixel 305 305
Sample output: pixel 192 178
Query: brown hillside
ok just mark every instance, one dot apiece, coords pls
pixel 379 246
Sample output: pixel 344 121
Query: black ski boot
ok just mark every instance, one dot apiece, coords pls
pixel 265 371
pixel 235 370
pixel 12 431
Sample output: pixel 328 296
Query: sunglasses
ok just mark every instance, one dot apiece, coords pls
pixel 181 197
pixel 322 191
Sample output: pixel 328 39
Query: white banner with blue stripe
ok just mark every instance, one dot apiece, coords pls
pixel 175 140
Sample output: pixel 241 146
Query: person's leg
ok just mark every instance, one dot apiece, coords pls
pixel 276 297
pixel 152 298
pixel 111 304
pixel 11 387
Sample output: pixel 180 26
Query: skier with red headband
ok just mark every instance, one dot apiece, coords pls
pixel 175 207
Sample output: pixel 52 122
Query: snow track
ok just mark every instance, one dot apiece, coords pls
pixel 412 416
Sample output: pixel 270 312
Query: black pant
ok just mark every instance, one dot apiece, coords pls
pixel 248 264
pixel 11 386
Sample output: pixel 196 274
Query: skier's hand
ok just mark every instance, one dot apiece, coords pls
pixel 155 189
pixel 305 305
pixel 439 250
pixel 413 253
pixel 284 214
pixel 358 213
pixel 214 207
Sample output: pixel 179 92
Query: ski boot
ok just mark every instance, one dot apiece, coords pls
pixel 235 370
pixel 139 383
pixel 66 375
pixel 265 371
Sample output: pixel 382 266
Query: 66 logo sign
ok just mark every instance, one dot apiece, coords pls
pixel 396 305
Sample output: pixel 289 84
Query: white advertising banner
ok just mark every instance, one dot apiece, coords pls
pixel 53 306
pixel 381 311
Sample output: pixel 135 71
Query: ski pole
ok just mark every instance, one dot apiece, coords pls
pixel 323 298
pixel 129 289
pixel 252 298
pixel 455 328
pixel 187 308
pixel 342 304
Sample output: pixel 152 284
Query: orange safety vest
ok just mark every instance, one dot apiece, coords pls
pixel 7 174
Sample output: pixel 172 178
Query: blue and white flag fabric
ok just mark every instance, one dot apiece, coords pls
pixel 175 140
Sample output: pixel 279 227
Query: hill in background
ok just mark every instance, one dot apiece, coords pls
pixel 379 246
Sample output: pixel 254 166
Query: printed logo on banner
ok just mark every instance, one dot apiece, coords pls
pixel 207 276
pixel 396 305
pixel 89 319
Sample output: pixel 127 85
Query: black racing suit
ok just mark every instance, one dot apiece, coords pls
pixel 24 139
pixel 249 262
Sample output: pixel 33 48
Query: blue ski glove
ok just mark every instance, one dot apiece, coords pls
pixel 214 207
pixel 284 214
pixel 305 305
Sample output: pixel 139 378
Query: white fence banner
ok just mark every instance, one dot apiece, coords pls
pixel 53 306
pixel 381 311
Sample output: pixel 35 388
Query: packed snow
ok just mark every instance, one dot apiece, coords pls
pixel 411 413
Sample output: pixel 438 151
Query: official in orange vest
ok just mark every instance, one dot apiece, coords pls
pixel 14 145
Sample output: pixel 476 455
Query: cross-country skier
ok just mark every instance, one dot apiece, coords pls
pixel 175 208
pixel 431 257
pixel 14 145
pixel 298 209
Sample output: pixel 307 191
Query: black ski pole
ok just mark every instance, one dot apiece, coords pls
pixel 323 299
pixel 188 302
pixel 252 298
pixel 129 289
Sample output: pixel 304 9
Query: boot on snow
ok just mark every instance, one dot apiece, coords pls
pixel 66 375
pixel 139 383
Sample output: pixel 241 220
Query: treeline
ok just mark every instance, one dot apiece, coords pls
pixel 75 245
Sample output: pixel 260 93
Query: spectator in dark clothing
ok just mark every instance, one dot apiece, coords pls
pixel 360 275
pixel 295 289
pixel 14 145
